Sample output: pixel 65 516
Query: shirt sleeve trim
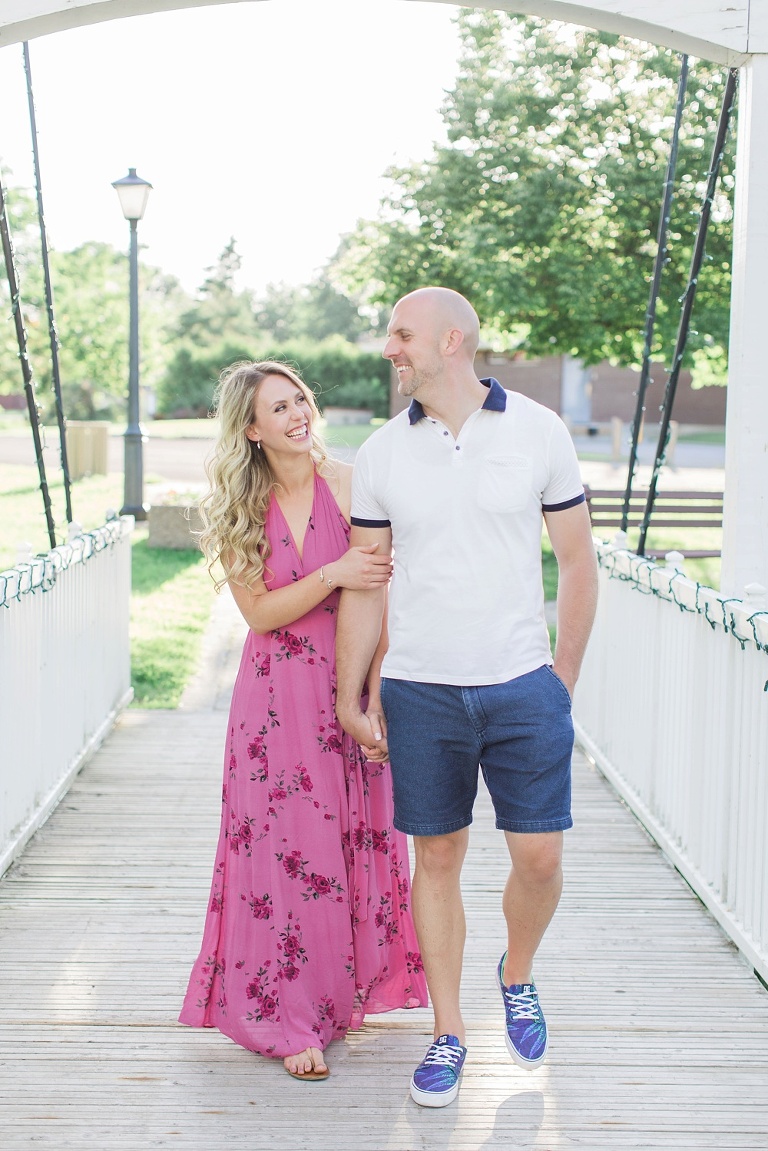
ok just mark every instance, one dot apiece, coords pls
pixel 358 523
pixel 561 507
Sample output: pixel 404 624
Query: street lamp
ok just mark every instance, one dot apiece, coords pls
pixel 133 193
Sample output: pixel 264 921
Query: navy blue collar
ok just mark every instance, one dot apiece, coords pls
pixel 495 401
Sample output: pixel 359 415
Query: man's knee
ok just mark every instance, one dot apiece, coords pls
pixel 441 854
pixel 536 858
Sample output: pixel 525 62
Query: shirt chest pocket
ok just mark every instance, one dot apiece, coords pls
pixel 504 483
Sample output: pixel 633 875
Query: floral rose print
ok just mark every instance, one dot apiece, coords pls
pixel 261 906
pixel 291 646
pixel 308 924
pixel 316 885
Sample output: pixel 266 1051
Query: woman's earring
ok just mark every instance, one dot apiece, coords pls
pixel 258 444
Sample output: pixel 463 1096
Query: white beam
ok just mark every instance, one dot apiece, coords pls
pixel 705 28
pixel 712 29
pixel 745 524
pixel 26 19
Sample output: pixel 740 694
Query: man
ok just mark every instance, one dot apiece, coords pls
pixel 458 484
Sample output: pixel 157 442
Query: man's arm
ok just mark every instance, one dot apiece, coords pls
pixel 361 614
pixel 570 533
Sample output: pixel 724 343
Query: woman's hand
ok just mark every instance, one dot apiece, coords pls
pixel 359 569
pixel 369 729
pixel 375 745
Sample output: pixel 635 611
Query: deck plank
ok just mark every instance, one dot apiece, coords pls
pixel 659 1032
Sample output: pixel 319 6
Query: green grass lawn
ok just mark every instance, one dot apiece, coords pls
pixel 708 436
pixel 172 591
pixel 703 571
pixel 171 602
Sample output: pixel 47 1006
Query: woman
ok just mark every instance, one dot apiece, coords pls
pixel 308 925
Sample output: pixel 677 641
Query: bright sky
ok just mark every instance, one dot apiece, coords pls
pixel 272 122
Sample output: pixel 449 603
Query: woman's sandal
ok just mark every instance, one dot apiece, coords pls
pixel 309 1076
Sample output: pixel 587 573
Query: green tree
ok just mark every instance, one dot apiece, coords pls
pixel 90 287
pixel 542 207
pixel 22 218
pixel 311 311
pixel 221 311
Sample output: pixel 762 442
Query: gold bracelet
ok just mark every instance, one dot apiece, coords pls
pixel 330 583
pixel 322 577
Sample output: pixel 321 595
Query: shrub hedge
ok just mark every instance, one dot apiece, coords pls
pixel 339 373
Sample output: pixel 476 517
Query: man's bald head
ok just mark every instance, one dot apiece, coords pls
pixel 446 310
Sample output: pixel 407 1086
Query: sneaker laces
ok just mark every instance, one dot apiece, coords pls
pixel 524 1005
pixel 444 1054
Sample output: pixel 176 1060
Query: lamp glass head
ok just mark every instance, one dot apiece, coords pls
pixel 133 193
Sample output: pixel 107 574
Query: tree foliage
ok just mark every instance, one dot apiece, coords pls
pixel 543 206
pixel 311 311
pixel 22 219
pixel 91 306
pixel 90 289
pixel 311 326
pixel 339 373
pixel 221 311
pixel 185 341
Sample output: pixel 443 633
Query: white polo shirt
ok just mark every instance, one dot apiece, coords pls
pixel 466 603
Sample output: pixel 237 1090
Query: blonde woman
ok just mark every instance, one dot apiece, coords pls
pixel 308 926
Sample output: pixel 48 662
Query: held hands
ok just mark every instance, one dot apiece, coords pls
pixel 359 569
pixel 369 729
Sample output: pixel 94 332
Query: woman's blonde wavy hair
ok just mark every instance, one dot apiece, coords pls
pixel 241 481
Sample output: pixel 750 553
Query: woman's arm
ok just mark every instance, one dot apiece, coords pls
pixel 264 610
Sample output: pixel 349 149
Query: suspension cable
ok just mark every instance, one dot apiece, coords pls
pixel 26 368
pixel 660 261
pixel 729 99
pixel 54 338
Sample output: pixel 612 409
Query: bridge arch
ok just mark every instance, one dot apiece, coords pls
pixel 725 34
pixel 735 35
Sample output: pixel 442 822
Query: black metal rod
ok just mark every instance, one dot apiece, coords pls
pixel 729 97
pixel 26 368
pixel 54 338
pixel 653 296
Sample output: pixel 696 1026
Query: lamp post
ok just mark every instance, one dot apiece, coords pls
pixel 133 193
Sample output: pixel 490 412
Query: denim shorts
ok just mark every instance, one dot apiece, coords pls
pixel 520 734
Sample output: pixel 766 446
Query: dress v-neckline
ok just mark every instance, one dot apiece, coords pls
pixel 299 551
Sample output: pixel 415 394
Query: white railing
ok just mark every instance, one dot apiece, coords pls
pixel 64 671
pixel 672 705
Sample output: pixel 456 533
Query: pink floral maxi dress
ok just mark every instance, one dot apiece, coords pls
pixel 308 926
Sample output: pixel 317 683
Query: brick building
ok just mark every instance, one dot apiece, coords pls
pixel 595 395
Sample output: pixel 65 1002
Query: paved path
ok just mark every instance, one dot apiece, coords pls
pixel 170 460
pixel 695 465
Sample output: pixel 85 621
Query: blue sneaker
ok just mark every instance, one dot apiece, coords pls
pixel 526 1030
pixel 435 1081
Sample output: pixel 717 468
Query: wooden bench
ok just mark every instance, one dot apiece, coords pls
pixel 679 509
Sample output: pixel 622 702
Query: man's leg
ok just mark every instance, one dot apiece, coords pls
pixel 530 898
pixel 434 751
pixel 438 913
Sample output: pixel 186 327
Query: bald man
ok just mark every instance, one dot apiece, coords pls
pixel 458 484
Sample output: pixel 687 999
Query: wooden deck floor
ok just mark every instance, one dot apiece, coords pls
pixel 659 1034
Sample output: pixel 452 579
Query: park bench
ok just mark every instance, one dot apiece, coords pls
pixel 678 509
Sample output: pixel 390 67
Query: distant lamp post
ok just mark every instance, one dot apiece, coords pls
pixel 133 193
